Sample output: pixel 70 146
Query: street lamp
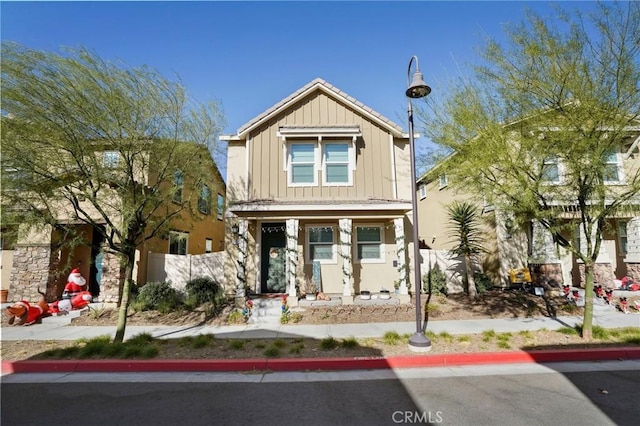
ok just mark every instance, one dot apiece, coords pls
pixel 417 89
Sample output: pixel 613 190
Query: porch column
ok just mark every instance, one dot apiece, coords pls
pixel 547 258
pixel 632 258
pixel 602 269
pixel 401 251
pixel 291 265
pixel 346 226
pixel 241 275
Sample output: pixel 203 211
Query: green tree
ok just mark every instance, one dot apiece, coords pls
pixel 63 112
pixel 562 95
pixel 464 226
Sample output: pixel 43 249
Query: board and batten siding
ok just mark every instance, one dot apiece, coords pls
pixel 268 176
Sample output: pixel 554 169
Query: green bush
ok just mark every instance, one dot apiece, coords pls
pixel 435 281
pixel 204 290
pixel 483 282
pixel 156 295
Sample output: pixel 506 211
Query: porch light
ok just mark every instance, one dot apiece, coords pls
pixel 417 88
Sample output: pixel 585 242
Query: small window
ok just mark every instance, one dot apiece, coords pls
pixel 204 200
pixel 110 159
pixel 423 191
pixel 551 170
pixel 611 173
pixel 178 242
pixel 302 164
pixel 622 234
pixel 178 182
pixel 208 245
pixel 321 244
pixel 220 206
pixel 369 244
pixel 336 164
pixel 443 181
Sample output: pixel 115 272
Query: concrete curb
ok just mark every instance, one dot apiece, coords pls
pixel 324 364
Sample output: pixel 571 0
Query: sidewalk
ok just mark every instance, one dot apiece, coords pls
pixel 62 331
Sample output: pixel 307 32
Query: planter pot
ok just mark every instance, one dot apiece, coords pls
pixel 310 296
pixel 384 295
pixel 365 295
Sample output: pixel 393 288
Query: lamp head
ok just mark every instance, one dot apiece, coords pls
pixel 418 88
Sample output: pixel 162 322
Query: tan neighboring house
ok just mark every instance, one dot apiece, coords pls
pixel 533 247
pixel 319 186
pixel 39 259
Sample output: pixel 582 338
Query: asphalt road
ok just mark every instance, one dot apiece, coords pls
pixel 595 393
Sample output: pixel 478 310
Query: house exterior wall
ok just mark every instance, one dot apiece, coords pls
pixel 373 176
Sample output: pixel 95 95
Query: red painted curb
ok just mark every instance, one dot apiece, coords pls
pixel 307 364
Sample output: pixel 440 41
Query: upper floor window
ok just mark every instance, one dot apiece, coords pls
pixel 321 244
pixel 423 191
pixel 208 245
pixel 110 159
pixel 302 164
pixel 444 181
pixel 551 170
pixel 622 235
pixel 336 164
pixel 204 200
pixel 612 172
pixel 178 242
pixel 178 182
pixel 369 244
pixel 220 206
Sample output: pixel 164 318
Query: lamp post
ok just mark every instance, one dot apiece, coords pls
pixel 417 88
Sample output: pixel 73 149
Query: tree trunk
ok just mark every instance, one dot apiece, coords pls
pixel 124 300
pixel 587 321
pixel 471 282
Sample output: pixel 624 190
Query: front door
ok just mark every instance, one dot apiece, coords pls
pixel 273 258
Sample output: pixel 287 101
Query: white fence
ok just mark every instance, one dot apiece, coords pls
pixel 180 269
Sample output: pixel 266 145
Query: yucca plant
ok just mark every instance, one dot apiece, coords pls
pixel 464 226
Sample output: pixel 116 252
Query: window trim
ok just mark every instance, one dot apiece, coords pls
pixel 381 244
pixel 622 225
pixel 422 190
pixel 308 243
pixel 552 160
pixel 443 181
pixel 618 166
pixel 350 162
pixel 289 164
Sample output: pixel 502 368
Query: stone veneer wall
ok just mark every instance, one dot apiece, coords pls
pixel 548 271
pixel 633 270
pixel 29 272
pixel 112 277
pixel 602 274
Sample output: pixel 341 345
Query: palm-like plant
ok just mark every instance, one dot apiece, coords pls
pixel 464 226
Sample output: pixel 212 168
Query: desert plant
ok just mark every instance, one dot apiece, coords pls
pixel 154 295
pixel 483 282
pixel 204 290
pixel 350 343
pixel 329 343
pixel 464 225
pixel 391 338
pixel 435 281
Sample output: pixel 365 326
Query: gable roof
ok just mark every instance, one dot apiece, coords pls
pixel 329 90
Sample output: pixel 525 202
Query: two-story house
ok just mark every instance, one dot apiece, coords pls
pixel 319 179
pixel 41 258
pixel 509 245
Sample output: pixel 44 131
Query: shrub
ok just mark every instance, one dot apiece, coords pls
pixel 483 282
pixel 435 281
pixel 155 295
pixel 204 290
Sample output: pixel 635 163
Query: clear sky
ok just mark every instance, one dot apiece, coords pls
pixel 250 55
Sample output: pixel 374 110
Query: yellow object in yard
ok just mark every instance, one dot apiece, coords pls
pixel 519 275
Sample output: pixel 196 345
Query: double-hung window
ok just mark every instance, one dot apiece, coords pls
pixel 321 244
pixel 178 242
pixel 622 234
pixel 302 164
pixel 551 170
pixel 204 200
pixel 178 182
pixel 110 159
pixel 337 164
pixel 612 169
pixel 369 244
pixel 220 206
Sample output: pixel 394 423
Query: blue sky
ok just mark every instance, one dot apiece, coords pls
pixel 250 55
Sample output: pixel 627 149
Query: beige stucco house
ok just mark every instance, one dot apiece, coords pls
pixel 319 179
pixel 531 246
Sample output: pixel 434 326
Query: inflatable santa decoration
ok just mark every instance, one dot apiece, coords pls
pixel 75 284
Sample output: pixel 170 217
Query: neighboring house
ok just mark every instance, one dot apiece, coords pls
pixel 319 179
pixel 41 260
pixel 509 246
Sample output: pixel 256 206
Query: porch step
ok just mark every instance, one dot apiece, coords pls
pixel 266 310
pixel 66 319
